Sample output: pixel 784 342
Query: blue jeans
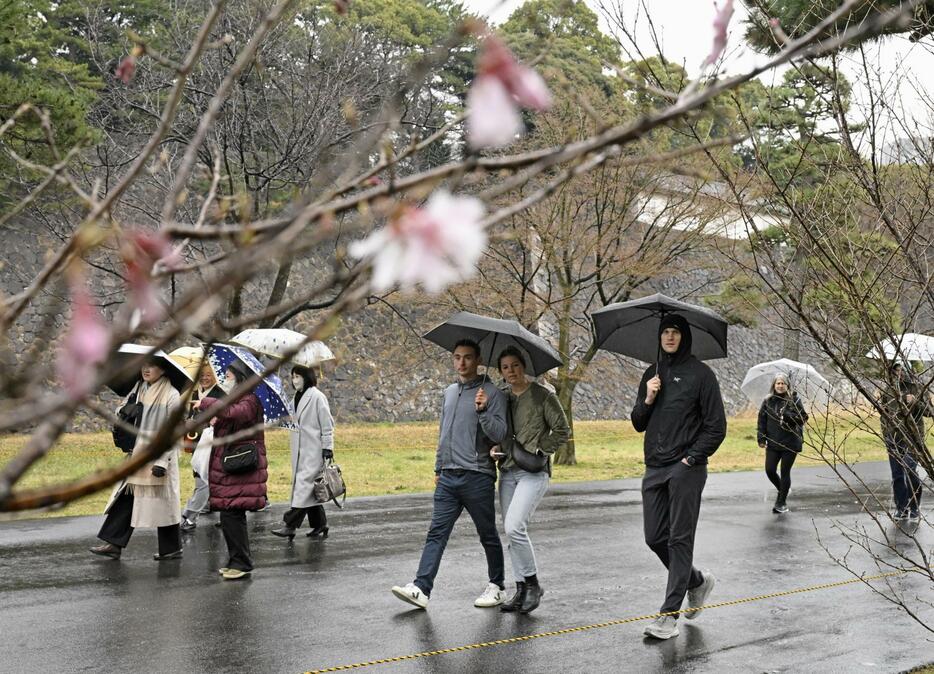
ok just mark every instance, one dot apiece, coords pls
pixel 455 491
pixel 906 484
pixel 520 493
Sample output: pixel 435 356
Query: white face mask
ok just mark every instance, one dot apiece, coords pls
pixel 229 383
pixel 298 383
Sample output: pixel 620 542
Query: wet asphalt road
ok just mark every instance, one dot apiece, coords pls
pixel 314 604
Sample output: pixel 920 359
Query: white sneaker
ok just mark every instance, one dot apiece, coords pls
pixel 411 594
pixel 492 596
pixel 664 627
pixel 699 594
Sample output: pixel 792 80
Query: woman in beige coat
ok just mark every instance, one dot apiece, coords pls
pixel 149 497
pixel 311 442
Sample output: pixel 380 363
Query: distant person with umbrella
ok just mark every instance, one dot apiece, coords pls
pixel 199 444
pixel 311 443
pixel 538 427
pixel 148 498
pixel 473 420
pixel 903 432
pixel 679 408
pixel 233 494
pixel 780 433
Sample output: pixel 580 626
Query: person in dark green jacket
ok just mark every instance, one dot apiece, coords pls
pixel 538 425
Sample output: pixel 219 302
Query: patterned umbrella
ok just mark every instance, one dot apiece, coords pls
pixel 277 405
pixel 276 341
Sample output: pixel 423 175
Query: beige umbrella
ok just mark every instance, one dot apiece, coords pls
pixel 189 359
pixel 276 341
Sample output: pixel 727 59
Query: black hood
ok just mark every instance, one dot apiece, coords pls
pixel 681 324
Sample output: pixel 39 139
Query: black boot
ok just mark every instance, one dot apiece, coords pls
pixel 515 603
pixel 533 597
pixel 284 532
pixel 780 506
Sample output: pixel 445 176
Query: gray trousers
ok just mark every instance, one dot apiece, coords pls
pixel 198 501
pixel 520 493
pixel 671 498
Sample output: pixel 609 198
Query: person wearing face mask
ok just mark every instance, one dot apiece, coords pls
pixel 206 387
pixel 149 497
pixel 234 494
pixel 781 435
pixel 312 443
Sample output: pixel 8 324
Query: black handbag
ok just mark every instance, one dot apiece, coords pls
pixel 240 457
pixel 526 460
pixel 131 413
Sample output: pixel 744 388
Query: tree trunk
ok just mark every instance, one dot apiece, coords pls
pixel 278 291
pixel 566 454
pixel 791 340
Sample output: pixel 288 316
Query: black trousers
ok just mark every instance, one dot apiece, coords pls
pixel 116 529
pixel 772 460
pixel 233 525
pixel 671 498
pixel 316 517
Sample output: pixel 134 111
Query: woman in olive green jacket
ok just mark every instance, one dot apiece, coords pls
pixel 538 425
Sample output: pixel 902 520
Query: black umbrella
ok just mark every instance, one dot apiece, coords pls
pixel 175 372
pixel 631 328
pixel 493 335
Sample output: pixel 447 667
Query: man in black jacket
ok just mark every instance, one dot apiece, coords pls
pixel 681 412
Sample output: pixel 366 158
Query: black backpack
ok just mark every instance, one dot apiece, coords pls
pixel 131 413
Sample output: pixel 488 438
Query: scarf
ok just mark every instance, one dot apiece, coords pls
pixel 158 400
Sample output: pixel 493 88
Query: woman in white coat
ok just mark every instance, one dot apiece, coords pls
pixel 149 497
pixel 311 442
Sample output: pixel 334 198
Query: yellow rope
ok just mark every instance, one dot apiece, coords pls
pixel 609 623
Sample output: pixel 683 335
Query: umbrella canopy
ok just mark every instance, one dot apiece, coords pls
pixel 808 382
pixel 909 346
pixel 189 358
pixel 175 372
pixel 276 341
pixel 277 405
pixel 631 328
pixel 493 335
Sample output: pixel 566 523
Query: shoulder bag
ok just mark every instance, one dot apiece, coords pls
pixel 526 460
pixel 329 485
pixel 131 413
pixel 240 457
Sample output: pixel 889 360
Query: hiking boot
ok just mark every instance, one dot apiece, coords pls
pixel 234 574
pixel 492 596
pixel 533 597
pixel 411 594
pixel 187 524
pixel 515 603
pixel 914 516
pixel 699 594
pixel 900 515
pixel 664 627
pixel 107 550
pixel 779 508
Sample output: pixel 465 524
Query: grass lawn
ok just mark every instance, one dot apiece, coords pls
pixel 399 458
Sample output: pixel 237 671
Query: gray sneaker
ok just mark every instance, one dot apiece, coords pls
pixel 699 594
pixel 664 627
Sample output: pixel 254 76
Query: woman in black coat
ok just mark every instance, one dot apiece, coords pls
pixel 781 435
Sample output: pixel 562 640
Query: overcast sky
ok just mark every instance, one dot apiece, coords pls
pixel 685 28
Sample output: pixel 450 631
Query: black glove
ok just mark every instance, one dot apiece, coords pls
pixel 158 471
pixel 328 454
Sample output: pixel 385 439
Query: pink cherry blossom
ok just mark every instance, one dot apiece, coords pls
pixel 720 24
pixel 86 343
pixel 141 252
pixel 126 69
pixel 432 246
pixel 501 87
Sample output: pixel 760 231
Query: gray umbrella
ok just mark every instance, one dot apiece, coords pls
pixel 493 335
pixel 631 328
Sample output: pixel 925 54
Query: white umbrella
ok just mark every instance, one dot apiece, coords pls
pixel 809 384
pixel 276 341
pixel 910 346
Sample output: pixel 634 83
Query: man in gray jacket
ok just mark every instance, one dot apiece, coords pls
pixel 473 419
